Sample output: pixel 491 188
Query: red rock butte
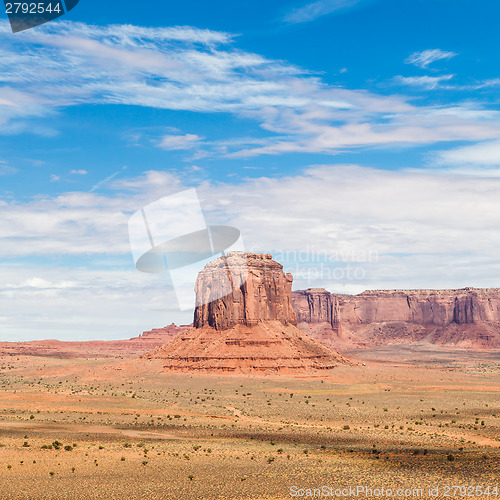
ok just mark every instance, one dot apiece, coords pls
pixel 244 322
pixel 243 289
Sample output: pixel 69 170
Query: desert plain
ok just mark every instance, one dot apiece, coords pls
pixel 399 418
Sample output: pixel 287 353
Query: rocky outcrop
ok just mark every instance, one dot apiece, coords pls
pixel 468 317
pixel 135 346
pixel 243 289
pixel 315 305
pixel 244 322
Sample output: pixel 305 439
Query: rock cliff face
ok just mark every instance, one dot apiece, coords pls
pixel 468 317
pixel 243 289
pixel 315 305
pixel 244 322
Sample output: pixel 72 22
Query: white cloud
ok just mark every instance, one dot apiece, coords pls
pixel 6 169
pixel 77 304
pixel 429 231
pixel 426 82
pixel 67 64
pixel 426 57
pixel 172 142
pixel 43 284
pixel 54 178
pixel 317 9
pixel 79 172
pixel 479 159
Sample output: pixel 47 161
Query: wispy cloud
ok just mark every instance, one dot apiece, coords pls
pixel 478 159
pixel 107 179
pixel 6 169
pixel 426 82
pixel 317 9
pixel 66 64
pixel 438 82
pixel 426 57
pixel 173 142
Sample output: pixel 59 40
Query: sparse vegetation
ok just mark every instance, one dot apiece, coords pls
pixel 240 434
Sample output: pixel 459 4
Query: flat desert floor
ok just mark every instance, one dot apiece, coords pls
pixel 422 425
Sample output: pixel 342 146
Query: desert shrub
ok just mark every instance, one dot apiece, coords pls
pixel 450 457
pixel 68 447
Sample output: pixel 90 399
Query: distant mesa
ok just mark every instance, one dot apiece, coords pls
pixel 250 329
pixel 467 318
pixel 94 348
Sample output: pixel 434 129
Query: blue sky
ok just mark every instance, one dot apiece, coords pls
pixel 362 135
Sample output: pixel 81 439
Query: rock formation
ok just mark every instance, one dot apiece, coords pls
pixel 135 346
pixel 468 318
pixel 243 289
pixel 244 322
